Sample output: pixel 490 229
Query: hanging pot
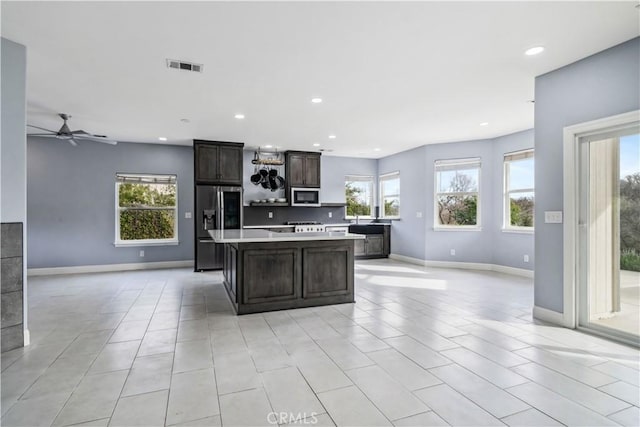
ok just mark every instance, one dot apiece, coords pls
pixel 280 181
pixel 273 183
pixel 256 177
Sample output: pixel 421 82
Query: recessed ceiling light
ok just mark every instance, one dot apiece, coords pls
pixel 162 138
pixel 268 146
pixel 484 124
pixel 239 116
pixel 316 100
pixel 376 149
pixel 332 137
pixel 185 120
pixel 316 145
pixel 534 51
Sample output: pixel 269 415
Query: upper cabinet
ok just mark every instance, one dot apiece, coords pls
pixel 217 162
pixel 303 169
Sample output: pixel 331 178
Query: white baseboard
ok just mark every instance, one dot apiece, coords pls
pixel 80 269
pixel 26 337
pixel 548 316
pixel 407 259
pixel 512 270
pixel 465 265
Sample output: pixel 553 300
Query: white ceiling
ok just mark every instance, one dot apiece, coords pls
pixel 392 75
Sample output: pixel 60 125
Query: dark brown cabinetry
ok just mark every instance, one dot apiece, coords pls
pixel 281 275
pixel 378 241
pixel 303 169
pixel 217 162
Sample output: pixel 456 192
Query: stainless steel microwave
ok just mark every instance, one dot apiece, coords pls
pixel 305 197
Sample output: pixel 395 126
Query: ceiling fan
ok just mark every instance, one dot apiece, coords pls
pixel 72 136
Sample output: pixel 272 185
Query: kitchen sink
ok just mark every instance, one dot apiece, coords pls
pixel 366 228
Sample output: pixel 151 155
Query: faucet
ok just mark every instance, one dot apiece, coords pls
pixel 357 219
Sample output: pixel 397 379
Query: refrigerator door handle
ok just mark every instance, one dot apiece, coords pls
pixel 220 197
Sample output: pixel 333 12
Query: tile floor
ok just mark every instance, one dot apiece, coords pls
pixel 420 347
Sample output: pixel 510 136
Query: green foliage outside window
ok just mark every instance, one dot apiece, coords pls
pixel 459 209
pixel 391 208
pixel 630 222
pixel 144 217
pixel 522 212
pixel 356 205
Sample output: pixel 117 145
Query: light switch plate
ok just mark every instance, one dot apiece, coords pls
pixel 187 215
pixel 553 217
pixel 418 214
pixel 270 214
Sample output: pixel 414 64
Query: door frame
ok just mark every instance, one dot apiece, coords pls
pixel 571 197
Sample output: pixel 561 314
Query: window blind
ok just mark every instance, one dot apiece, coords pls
pixel 456 164
pixel 145 179
pixel 518 155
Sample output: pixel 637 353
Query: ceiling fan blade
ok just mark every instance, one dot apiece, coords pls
pixel 72 142
pixel 38 127
pixel 80 132
pixel 96 138
pixel 45 135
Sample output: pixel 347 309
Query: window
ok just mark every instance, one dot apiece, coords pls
pixel 390 195
pixel 457 193
pixel 518 190
pixel 146 209
pixel 359 195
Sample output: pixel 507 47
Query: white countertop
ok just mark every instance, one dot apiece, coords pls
pixel 288 226
pixel 254 235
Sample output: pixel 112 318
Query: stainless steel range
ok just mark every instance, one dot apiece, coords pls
pixel 307 226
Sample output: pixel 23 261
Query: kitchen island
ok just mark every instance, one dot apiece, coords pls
pixel 266 270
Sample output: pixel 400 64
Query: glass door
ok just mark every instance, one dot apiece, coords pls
pixel 609 233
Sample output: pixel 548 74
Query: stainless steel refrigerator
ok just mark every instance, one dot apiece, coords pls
pixel 217 208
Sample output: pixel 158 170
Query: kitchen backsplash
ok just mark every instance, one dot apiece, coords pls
pixel 259 215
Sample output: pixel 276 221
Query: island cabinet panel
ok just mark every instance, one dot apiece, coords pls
pixel 271 275
pixel 230 271
pixel 267 276
pixel 327 271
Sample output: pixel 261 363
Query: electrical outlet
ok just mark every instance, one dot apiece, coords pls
pixel 526 258
pixel 141 254
pixel 270 214
pixel 453 252
pixel 418 214
pixel 187 215
pixel 553 217
pixel 330 214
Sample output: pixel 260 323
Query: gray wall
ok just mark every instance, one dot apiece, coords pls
pixel 13 186
pixel 408 233
pixel 13 152
pixel 415 237
pixel 602 85
pixel 71 201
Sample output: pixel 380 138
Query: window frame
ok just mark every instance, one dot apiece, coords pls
pixel 506 193
pixel 381 197
pixel 457 162
pixel 361 178
pixel 144 242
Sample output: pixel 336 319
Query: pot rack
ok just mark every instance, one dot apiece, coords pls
pixel 267 158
